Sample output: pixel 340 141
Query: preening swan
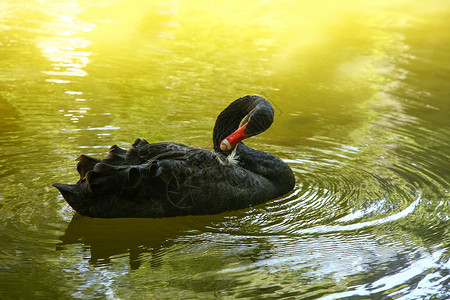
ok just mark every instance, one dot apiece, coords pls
pixel 171 179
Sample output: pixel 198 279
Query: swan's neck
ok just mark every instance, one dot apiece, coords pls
pixel 230 118
pixel 260 116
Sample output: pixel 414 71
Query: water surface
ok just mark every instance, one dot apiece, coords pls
pixel 360 90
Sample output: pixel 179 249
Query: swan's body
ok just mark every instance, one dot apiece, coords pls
pixel 170 179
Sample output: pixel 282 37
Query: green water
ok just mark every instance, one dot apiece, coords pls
pixel 361 93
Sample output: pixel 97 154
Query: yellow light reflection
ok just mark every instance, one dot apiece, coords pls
pixel 64 47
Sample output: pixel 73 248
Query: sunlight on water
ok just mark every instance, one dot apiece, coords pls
pixel 361 105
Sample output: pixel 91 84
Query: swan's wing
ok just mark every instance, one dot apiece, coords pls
pixel 160 180
pixel 139 153
pixel 201 184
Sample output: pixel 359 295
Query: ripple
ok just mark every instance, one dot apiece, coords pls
pixel 358 226
pixel 417 280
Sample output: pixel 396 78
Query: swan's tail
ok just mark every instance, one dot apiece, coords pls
pixel 72 193
pixel 106 188
pixel 140 181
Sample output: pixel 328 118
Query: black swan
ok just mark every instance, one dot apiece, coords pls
pixel 171 179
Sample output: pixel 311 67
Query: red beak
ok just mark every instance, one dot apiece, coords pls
pixel 233 139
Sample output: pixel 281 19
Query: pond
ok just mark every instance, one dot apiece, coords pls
pixel 361 97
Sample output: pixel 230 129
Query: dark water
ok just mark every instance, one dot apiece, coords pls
pixel 361 93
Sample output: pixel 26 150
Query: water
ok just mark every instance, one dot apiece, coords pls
pixel 361 96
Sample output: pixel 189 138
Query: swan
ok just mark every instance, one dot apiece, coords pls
pixel 153 180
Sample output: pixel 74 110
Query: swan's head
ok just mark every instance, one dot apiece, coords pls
pixel 258 120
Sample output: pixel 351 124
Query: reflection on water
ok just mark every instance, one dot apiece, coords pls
pixel 362 119
pixel 63 48
pixel 108 238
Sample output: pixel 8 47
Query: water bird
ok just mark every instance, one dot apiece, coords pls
pixel 167 179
